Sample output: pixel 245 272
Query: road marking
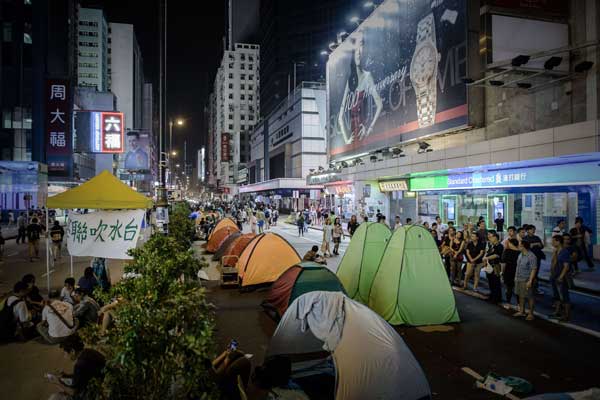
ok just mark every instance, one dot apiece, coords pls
pixel 47 273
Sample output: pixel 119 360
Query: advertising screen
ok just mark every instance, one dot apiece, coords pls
pixel 398 76
pixel 137 151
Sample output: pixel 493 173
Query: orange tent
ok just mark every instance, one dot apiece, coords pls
pixel 235 249
pixel 265 259
pixel 219 237
pixel 222 224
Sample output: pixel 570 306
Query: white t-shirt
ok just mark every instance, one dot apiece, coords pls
pixel 66 296
pixel 20 310
pixel 57 328
pixel 327 232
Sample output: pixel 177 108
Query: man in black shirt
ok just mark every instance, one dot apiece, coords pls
pixel 482 233
pixel 475 253
pixel 492 261
pixel 499 223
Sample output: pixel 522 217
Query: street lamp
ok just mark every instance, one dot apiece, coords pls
pixel 180 122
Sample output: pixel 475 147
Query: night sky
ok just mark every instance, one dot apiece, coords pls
pixel 195 37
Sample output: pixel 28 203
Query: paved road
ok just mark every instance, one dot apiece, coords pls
pixel 551 356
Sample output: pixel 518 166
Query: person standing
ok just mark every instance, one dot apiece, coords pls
pixel 352 225
pixel 268 218
pixel 524 279
pixel 499 221
pixel 559 229
pixel 300 222
pixel 253 223
pixel 275 216
pixel 560 278
pixel 260 216
pixel 580 237
pixel 338 234
pixel 21 228
pixel 34 231
pixel 327 235
pixel 509 266
pixel 536 247
pixel 482 233
pixel 57 234
pixel 458 250
pixel 492 259
pixel 475 252
pixel 11 218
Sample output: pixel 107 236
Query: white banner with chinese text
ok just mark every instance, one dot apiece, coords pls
pixel 108 234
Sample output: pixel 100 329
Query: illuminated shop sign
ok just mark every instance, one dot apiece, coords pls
pixel 393 186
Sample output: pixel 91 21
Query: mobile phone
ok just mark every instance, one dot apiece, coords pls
pixel 233 345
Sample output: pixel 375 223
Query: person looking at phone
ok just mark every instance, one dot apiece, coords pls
pixel 230 364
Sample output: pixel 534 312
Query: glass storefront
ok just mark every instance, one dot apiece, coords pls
pixel 542 207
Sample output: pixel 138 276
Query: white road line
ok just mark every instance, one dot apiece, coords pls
pixel 47 273
pixel 12 254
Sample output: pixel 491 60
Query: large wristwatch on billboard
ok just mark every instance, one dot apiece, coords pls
pixel 423 71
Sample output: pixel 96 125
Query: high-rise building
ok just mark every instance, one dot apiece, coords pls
pixel 293 33
pixel 236 110
pixel 92 54
pixel 242 21
pixel 126 73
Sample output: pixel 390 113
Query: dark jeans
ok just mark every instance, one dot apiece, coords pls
pixel 495 287
pixel 21 235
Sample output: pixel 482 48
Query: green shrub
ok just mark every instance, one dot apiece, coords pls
pixel 161 344
pixel 181 227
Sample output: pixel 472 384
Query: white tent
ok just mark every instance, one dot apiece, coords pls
pixel 371 359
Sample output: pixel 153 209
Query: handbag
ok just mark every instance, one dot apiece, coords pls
pixel 64 321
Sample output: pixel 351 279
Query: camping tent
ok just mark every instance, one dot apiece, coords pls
pixel 222 224
pixel 265 258
pixel 221 250
pixel 361 259
pixel 371 359
pixel 410 285
pixel 235 249
pixel 218 237
pixel 301 278
pixel 103 192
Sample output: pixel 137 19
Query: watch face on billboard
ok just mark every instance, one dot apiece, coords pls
pixel 111 128
pixel 398 76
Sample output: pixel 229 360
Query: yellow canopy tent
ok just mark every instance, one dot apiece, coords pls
pixel 103 192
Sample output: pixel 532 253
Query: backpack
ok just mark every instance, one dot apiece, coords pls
pixel 267 214
pixel 33 234
pixel 8 324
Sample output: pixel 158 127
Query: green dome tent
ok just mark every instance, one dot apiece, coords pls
pixel 361 259
pixel 409 284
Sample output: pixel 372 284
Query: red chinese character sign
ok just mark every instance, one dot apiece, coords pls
pixel 59 149
pixel 112 132
pixel 224 147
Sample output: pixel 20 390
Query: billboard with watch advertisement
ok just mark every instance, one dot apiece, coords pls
pixel 398 76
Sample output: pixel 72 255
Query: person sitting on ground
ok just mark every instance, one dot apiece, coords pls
pixel 67 291
pixel 57 321
pixel 86 309
pixel 313 255
pixel 88 281
pixel 15 317
pixel 230 364
pixel 34 299
pixel 274 376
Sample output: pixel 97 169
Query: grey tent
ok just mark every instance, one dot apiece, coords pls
pixel 371 359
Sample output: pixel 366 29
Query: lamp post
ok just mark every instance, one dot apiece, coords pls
pixel 178 122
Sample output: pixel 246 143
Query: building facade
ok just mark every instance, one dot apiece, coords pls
pixel 92 54
pixel 286 146
pixel 492 123
pixel 235 112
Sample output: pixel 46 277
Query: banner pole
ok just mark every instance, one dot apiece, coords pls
pixel 70 256
pixel 47 251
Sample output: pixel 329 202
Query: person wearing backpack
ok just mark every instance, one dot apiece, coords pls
pixel 57 322
pixel 57 234
pixel 34 231
pixel 15 317
pixel 300 223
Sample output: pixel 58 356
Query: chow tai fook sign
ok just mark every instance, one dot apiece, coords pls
pixel 59 148
pixel 398 76
pixel 393 186
pixel 111 132
pixel 556 175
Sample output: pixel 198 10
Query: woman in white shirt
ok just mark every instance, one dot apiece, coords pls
pixel 57 321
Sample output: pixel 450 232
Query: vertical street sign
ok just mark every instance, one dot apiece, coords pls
pixel 59 148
